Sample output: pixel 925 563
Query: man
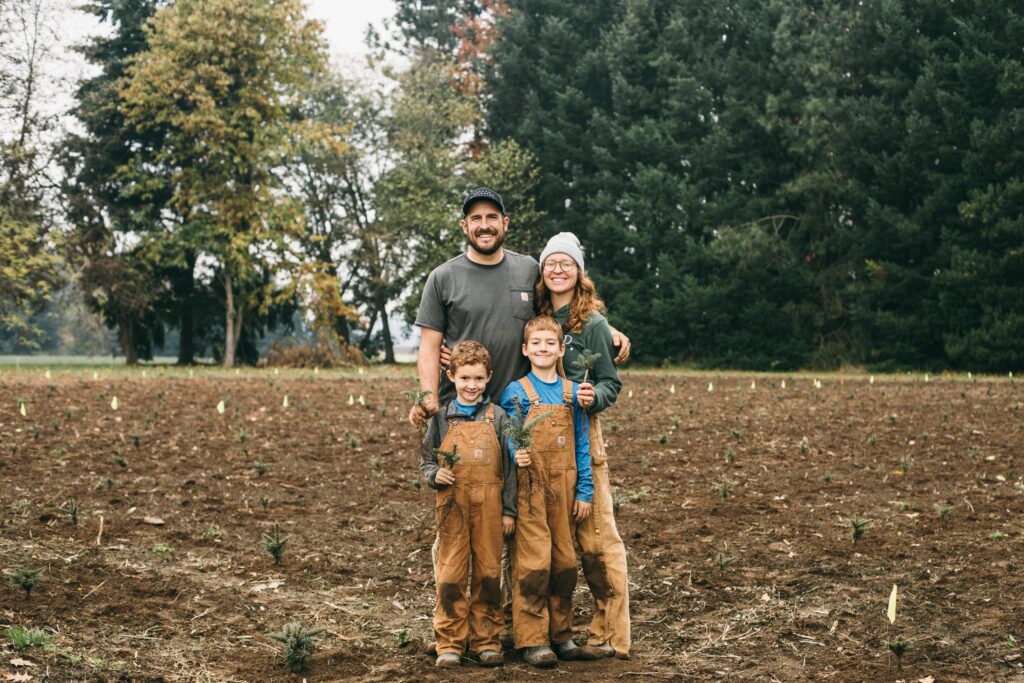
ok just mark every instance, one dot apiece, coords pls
pixel 486 295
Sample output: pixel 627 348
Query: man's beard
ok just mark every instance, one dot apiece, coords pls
pixel 499 239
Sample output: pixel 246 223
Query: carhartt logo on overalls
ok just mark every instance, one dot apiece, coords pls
pixel 478 454
pixel 561 441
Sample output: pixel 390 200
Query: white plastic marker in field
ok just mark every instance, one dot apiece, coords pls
pixel 753 384
pixel 95 375
pixel 783 384
pixel 47 373
pixel 190 373
pixel 351 400
pixel 316 371
pixel 871 380
pixel 970 376
pixel 362 401
pixel 220 407
pixel 891 612
pixel 143 374
pixel 113 403
pixel 927 378
pixel 817 384
pixel 629 394
pixel 672 389
pixel 284 403
pixel 711 386
pixel 360 371
pixel 21 409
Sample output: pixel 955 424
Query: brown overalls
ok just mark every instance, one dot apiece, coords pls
pixel 543 557
pixel 468 517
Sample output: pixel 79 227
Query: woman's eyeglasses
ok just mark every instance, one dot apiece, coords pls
pixel 565 266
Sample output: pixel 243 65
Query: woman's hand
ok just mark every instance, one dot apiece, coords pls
pixel 580 510
pixel 508 525
pixel 445 477
pixel 585 395
pixel 620 342
pixel 523 457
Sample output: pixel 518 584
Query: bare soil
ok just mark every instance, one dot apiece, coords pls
pixel 735 504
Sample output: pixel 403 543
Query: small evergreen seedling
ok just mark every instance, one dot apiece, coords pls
pixel 26 579
pixel 298 645
pixel 260 468
pixel 827 478
pixel 119 460
pixel 416 396
pixel 724 488
pixel 264 502
pixel 943 511
pixel 71 509
pixel 724 561
pixel 450 458
pixel 899 648
pixel 519 431
pixel 857 527
pixel 275 543
pixel 586 362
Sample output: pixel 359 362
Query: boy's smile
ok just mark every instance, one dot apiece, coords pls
pixel 470 382
pixel 544 349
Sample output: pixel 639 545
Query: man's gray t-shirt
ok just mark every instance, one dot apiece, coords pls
pixel 489 304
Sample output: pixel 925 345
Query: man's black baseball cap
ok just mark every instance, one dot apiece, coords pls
pixel 479 194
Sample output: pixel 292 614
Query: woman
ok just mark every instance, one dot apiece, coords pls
pixel 565 292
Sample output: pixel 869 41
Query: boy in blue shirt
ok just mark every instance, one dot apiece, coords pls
pixel 555 492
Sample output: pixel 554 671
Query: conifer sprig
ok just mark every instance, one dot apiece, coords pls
pixel 586 362
pixel 450 458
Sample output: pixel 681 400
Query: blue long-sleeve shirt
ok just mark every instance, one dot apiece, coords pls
pixel 550 394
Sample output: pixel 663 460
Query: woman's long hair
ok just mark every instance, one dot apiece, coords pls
pixel 584 301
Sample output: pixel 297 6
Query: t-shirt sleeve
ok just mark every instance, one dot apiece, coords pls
pixel 432 311
pixel 584 475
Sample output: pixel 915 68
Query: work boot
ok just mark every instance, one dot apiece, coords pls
pixel 540 656
pixel 449 660
pixel 591 652
pixel 568 650
pixel 490 658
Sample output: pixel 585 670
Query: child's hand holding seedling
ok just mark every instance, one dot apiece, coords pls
pixel 444 477
pixel 585 395
pixel 508 525
pixel 523 458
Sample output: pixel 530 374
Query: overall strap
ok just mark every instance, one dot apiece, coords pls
pixel 489 416
pixel 531 393
pixel 567 391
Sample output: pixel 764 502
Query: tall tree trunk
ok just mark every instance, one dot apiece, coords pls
pixel 229 322
pixel 186 314
pixel 126 336
pixel 389 345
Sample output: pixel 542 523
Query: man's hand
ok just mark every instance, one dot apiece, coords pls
pixel 446 357
pixel 523 457
pixel 419 414
pixel 585 395
pixel 621 342
pixel 445 477
pixel 580 510
pixel 508 525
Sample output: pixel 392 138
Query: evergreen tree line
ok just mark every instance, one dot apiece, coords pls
pixel 758 184
pixel 769 184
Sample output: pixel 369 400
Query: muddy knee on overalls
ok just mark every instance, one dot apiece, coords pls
pixel 450 595
pixel 596 572
pixel 490 594
pixel 563 583
pixel 535 585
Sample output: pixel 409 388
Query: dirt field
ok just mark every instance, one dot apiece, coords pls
pixel 735 505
